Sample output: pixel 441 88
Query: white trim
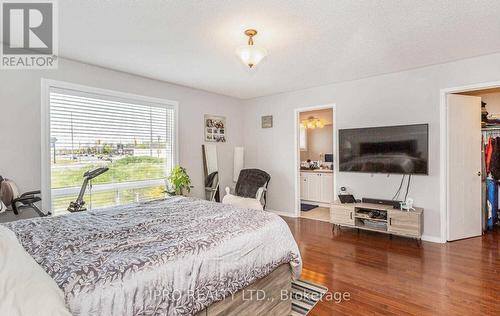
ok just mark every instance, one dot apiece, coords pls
pixel 106 187
pixel 443 141
pixel 45 147
pixel 433 239
pixel 297 150
pixel 110 93
pixel 47 84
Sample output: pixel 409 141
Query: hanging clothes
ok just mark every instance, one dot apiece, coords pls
pixel 495 159
pixel 492 209
pixel 488 152
pixel 484 188
pixel 490 176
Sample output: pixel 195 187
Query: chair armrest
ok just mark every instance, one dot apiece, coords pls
pixel 30 193
pixel 260 193
pixel 29 199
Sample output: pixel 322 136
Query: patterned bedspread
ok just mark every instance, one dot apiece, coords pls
pixel 169 257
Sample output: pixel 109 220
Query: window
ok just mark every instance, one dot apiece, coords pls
pixel 134 138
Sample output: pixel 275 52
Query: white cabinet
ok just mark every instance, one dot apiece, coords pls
pixel 316 186
pixel 326 187
pixel 304 188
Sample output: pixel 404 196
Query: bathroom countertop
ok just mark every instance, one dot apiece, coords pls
pixel 317 171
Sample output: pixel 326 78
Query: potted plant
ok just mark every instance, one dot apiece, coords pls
pixel 180 183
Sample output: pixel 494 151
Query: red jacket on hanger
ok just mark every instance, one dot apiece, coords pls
pixel 488 152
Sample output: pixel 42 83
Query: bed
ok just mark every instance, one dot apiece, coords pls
pixel 177 256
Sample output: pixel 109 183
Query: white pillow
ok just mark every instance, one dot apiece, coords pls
pixel 26 289
pixel 241 201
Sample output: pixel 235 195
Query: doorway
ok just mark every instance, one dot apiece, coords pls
pixel 472 170
pixel 315 167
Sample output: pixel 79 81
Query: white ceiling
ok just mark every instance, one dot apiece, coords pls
pixel 310 43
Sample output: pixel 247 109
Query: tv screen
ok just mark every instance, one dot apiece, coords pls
pixel 391 149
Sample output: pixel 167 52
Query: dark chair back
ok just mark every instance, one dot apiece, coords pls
pixel 249 181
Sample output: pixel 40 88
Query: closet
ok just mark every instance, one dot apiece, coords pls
pixel 473 163
pixel 490 157
pixel 490 180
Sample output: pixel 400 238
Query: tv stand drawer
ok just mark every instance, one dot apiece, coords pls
pixel 404 223
pixel 342 216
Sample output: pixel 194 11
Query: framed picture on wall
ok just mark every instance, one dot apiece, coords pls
pixel 215 128
pixel 267 121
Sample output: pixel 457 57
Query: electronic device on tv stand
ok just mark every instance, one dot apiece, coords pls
pixel 346 198
pixel 394 204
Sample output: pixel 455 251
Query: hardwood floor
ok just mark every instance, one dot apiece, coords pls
pixel 395 277
pixel 319 213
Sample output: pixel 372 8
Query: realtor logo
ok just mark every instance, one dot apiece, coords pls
pixel 29 38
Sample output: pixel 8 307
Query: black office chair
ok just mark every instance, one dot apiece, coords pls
pixel 249 183
pixel 10 197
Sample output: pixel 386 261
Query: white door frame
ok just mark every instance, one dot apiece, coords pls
pixel 443 164
pixel 297 150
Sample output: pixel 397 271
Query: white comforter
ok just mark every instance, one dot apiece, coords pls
pixel 25 289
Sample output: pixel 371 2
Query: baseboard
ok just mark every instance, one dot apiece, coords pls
pixel 285 214
pixel 432 239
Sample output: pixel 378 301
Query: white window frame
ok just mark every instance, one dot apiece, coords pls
pixel 46 85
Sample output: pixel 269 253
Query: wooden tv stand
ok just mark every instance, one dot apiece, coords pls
pixel 390 220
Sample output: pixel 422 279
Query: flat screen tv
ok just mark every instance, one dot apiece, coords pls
pixel 391 149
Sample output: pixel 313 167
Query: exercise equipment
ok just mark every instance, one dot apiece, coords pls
pixel 79 204
pixel 10 198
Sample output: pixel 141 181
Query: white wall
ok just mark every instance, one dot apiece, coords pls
pixel 493 102
pixel 399 98
pixel 20 119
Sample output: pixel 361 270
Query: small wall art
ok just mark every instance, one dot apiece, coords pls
pixel 215 129
pixel 267 121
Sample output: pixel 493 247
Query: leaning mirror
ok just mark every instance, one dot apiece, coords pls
pixel 211 172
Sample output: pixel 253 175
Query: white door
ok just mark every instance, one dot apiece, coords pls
pixel 314 187
pixel 464 166
pixel 326 188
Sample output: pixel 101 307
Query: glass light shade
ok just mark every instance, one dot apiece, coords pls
pixel 320 124
pixel 251 55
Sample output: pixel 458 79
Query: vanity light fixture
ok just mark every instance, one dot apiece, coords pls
pixel 312 123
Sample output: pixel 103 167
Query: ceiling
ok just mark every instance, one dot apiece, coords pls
pixel 310 43
pixel 482 92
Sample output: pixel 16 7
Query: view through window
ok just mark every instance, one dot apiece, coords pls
pixel 135 140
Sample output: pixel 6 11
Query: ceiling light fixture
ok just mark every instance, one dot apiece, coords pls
pixel 251 54
pixel 312 123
